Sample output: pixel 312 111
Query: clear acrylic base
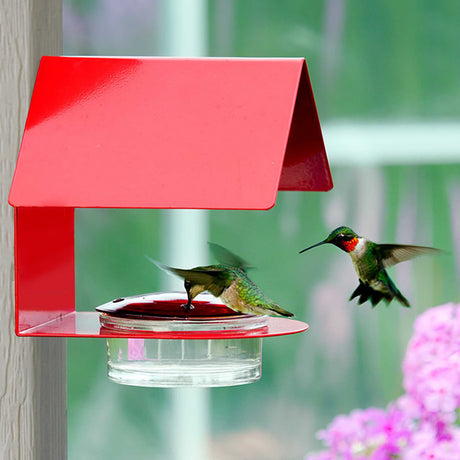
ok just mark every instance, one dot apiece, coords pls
pixel 179 363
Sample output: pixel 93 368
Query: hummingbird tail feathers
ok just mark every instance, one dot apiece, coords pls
pixel 275 308
pixel 366 292
pixel 395 293
pixel 402 300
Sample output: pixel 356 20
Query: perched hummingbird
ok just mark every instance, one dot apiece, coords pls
pixel 227 280
pixel 370 260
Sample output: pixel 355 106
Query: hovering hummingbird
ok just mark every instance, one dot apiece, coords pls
pixel 227 280
pixel 370 261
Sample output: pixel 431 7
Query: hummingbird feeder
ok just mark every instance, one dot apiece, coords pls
pixel 153 133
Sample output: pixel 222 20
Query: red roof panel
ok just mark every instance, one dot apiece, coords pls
pixel 169 133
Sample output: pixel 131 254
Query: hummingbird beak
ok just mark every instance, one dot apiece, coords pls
pixel 314 246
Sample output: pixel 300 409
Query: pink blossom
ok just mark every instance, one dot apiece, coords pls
pixel 421 424
pixel 426 444
pixel 373 433
pixel 324 455
pixel 432 363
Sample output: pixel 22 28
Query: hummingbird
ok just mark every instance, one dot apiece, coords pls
pixel 370 261
pixel 227 280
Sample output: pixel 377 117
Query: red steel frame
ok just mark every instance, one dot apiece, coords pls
pixel 151 133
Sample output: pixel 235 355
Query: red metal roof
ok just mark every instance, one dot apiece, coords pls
pixel 169 133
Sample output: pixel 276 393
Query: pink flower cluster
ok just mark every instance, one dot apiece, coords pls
pixel 421 424
pixel 432 363
pixel 372 433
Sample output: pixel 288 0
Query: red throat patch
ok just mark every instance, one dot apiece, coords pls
pixel 349 245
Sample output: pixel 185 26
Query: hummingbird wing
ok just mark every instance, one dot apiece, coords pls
pixel 392 254
pixel 224 256
pixel 213 278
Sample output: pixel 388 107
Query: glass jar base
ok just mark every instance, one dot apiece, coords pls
pixel 184 363
pixel 196 373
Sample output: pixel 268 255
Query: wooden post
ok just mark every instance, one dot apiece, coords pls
pixel 33 416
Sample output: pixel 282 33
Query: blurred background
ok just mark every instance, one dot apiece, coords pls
pixel 386 79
